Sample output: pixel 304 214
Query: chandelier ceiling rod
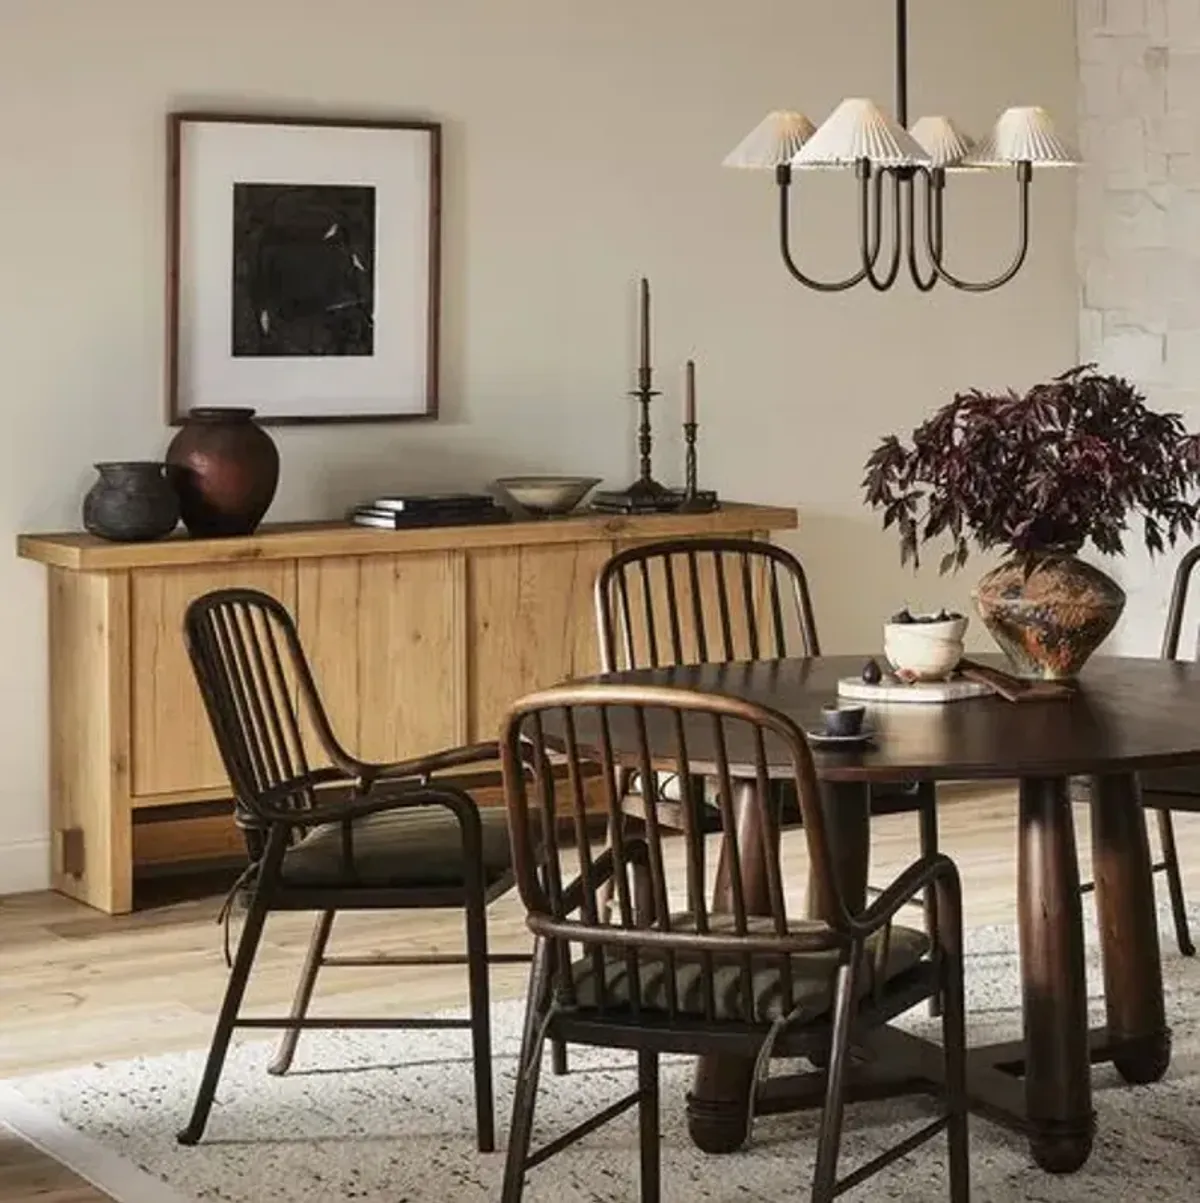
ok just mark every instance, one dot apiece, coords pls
pixel 858 135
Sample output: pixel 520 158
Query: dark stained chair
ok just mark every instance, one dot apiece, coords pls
pixel 716 600
pixel 662 971
pixel 343 835
pixel 1167 790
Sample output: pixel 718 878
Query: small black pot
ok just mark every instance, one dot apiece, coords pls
pixel 132 502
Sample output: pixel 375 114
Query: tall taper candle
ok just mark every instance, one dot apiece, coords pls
pixel 645 320
pixel 689 396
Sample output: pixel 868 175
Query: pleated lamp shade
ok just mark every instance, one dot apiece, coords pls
pixel 859 129
pixel 942 140
pixel 1023 135
pixel 773 141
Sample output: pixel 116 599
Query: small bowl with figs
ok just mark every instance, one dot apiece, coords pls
pixel 924 647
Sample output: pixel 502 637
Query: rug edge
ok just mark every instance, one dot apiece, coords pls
pixel 98 1165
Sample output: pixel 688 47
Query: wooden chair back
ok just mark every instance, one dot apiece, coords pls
pixel 700 601
pixel 564 879
pixel 1178 605
pixel 257 685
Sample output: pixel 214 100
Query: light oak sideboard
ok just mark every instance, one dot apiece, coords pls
pixel 419 639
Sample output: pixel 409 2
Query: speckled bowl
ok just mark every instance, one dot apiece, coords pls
pixel 545 496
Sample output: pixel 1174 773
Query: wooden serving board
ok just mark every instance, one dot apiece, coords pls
pixel 854 689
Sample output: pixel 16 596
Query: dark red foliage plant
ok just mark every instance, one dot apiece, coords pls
pixel 1066 463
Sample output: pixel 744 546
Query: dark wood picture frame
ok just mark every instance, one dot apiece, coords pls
pixel 176 409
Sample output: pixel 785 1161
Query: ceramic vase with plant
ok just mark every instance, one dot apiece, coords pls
pixel 1037 476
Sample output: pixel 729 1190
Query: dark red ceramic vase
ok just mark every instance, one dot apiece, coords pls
pixel 226 469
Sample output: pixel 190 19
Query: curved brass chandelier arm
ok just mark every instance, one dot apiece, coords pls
pixel 783 177
pixel 880 283
pixel 935 227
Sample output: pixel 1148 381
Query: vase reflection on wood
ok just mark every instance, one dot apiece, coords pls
pixel 131 502
pixel 227 470
pixel 1049 613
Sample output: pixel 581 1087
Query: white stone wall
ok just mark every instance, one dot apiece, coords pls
pixel 1139 231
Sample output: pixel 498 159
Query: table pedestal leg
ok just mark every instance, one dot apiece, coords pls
pixel 1058 1086
pixel 718 1105
pixel 1139 1040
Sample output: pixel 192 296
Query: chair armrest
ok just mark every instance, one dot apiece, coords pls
pixel 930 870
pixel 418 794
pixel 420 767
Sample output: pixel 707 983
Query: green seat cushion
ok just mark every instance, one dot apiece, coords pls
pixel 416 847
pixel 886 798
pixel 814 976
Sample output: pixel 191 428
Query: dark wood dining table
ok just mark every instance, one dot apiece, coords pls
pixel 1126 716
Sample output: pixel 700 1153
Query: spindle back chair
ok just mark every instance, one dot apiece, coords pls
pixel 1167 790
pixel 717 600
pixel 327 831
pixel 664 971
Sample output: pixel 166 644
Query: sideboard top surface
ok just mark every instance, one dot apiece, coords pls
pixel 311 540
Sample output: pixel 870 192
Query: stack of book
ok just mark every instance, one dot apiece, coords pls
pixel 428 509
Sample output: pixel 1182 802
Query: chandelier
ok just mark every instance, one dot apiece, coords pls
pixel 903 172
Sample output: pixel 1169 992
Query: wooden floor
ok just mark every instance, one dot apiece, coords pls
pixel 76 985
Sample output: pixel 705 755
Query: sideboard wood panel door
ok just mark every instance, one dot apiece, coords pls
pixel 385 636
pixel 530 624
pixel 173 748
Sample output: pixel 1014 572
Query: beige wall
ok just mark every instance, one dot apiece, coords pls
pixel 583 147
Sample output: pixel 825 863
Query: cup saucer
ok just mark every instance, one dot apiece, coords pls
pixel 822 739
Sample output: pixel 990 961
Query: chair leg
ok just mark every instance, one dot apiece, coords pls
pixel 559 1066
pixel 304 991
pixel 481 1022
pixel 529 1067
pixel 648 1130
pixel 558 1048
pixel 235 990
pixel 1166 834
pixel 830 1138
pixel 954 1042
pixel 927 816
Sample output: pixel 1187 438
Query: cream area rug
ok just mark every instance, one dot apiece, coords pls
pixel 388 1118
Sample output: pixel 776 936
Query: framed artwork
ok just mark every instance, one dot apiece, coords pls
pixel 303 267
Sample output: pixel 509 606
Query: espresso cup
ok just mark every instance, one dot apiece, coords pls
pixel 843 720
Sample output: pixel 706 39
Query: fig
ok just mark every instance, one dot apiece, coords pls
pixel 872 674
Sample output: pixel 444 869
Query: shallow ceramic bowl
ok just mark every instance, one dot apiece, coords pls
pixel 924 651
pixel 546 496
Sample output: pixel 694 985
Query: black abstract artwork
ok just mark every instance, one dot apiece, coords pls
pixel 303 269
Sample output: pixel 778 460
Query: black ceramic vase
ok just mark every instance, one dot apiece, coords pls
pixel 226 469
pixel 131 502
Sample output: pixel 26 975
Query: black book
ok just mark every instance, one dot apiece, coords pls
pixel 426 503
pixel 402 520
